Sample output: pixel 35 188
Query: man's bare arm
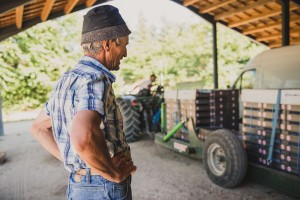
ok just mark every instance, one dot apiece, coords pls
pixel 41 129
pixel 89 142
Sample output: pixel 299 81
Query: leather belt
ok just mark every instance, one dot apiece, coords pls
pixel 83 172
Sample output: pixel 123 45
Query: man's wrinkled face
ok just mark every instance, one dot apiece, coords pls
pixel 118 50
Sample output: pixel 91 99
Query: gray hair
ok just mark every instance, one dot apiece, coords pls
pixel 94 47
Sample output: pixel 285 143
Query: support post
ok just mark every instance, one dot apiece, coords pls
pixel 285 5
pixel 163 117
pixel 1 122
pixel 215 54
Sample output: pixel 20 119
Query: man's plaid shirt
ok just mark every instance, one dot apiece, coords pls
pixel 86 87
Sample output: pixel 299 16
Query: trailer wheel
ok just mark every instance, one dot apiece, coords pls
pixel 131 121
pixel 225 159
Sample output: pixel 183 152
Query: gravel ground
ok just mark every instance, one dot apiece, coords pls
pixel 30 173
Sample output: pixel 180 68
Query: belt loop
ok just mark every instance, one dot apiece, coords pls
pixel 88 175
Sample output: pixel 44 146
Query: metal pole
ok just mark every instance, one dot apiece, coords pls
pixel 215 54
pixel 1 122
pixel 173 131
pixel 285 7
pixel 163 117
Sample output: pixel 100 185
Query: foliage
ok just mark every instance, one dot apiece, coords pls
pixel 181 54
pixel 32 60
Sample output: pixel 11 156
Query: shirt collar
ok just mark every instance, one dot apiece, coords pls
pixel 91 62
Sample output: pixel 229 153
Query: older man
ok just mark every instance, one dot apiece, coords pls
pixel 81 123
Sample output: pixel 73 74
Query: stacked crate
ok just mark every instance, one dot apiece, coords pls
pixel 290 135
pixel 208 108
pixel 183 104
pixel 257 130
pixel 224 109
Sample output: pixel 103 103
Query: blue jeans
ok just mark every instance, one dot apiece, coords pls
pixel 94 187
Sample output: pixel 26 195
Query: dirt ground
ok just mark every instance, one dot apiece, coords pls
pixel 30 173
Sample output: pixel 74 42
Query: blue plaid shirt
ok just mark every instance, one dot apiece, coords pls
pixel 86 87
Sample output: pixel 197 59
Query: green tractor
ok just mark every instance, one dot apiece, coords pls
pixel 141 113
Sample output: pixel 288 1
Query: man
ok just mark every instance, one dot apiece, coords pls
pixel 148 83
pixel 144 86
pixel 81 124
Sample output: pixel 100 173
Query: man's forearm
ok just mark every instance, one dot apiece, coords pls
pixel 46 139
pixel 88 140
pixel 96 155
pixel 41 129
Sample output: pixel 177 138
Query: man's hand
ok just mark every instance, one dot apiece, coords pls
pixel 87 138
pixel 124 164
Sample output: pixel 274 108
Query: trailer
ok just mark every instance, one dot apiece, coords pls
pixel 224 157
pixel 264 144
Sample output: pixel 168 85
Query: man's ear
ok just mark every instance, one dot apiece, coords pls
pixel 106 45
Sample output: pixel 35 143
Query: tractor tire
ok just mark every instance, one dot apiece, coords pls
pixel 225 160
pixel 131 121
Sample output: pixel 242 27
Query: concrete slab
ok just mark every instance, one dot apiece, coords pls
pixel 30 173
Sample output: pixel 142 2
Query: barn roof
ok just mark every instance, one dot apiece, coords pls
pixel 260 20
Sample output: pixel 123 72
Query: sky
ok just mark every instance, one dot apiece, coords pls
pixel 154 12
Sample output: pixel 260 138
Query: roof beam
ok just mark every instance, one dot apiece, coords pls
pixel 242 9
pixel 210 19
pixel 70 5
pixel 267 27
pixel 47 9
pixel 189 2
pixel 19 16
pixel 259 17
pixel 195 10
pixel 89 3
pixel 13 4
pixel 278 44
pixel 297 2
pixel 8 31
pixel 215 6
pixel 278 35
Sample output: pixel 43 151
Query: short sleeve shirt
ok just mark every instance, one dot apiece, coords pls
pixel 145 84
pixel 86 87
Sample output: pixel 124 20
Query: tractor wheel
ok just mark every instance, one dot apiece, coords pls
pixel 225 159
pixel 131 121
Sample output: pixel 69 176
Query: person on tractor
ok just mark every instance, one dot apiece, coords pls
pixel 144 87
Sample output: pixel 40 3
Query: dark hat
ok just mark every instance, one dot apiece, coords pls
pixel 103 23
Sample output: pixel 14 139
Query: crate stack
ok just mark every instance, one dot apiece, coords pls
pixel 290 136
pixel 224 109
pixel 182 104
pixel 257 131
pixel 208 108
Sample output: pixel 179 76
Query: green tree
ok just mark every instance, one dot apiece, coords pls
pixel 31 61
